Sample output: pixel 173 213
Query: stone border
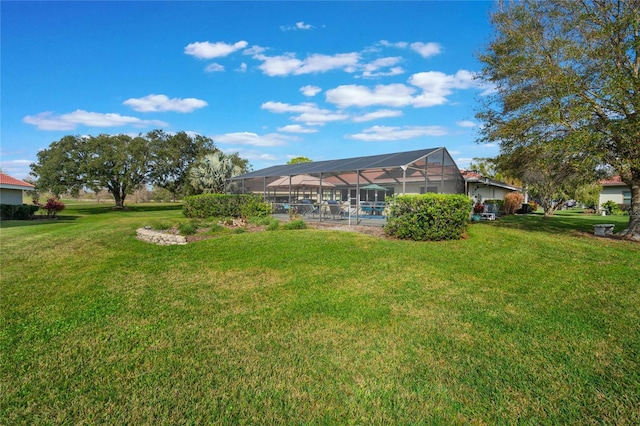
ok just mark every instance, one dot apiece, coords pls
pixel 158 237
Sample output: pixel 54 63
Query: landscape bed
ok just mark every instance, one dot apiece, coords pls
pixel 525 321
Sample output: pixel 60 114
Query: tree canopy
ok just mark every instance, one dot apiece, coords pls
pixel 298 160
pixel 121 163
pixel 567 86
pixel 171 157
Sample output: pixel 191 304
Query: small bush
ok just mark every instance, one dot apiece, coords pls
pixel 53 207
pixel 612 208
pixel 295 224
pixel 187 228
pixel 216 227
pixel 161 226
pixel 262 221
pixel 274 225
pixel 428 216
pixel 512 202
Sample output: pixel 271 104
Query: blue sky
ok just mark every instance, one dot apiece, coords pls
pixel 269 80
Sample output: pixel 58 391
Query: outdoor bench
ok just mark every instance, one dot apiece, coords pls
pixel 603 229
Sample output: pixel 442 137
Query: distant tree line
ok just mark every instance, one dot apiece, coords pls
pixel 180 163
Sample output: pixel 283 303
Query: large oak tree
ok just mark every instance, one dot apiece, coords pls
pixel 567 81
pixel 171 157
pixel 121 163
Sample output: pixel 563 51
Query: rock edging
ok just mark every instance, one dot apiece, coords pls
pixel 158 237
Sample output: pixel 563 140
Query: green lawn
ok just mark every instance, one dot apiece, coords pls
pixel 525 321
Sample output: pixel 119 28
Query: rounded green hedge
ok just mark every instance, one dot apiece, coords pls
pixel 428 217
pixel 225 205
pixel 17 212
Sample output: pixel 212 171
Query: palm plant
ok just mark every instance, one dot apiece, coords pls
pixel 210 174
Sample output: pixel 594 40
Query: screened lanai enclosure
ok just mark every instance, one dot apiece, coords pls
pixel 352 187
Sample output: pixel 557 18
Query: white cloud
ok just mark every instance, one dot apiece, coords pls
pixel 436 86
pixel 308 112
pixel 400 44
pixel 322 63
pixel 466 123
pixel 288 64
pixel 310 90
pixel 463 162
pixel 12 163
pixel 296 128
pixel 297 26
pixel 18 169
pixel 242 67
pixel 51 121
pixel 214 67
pixel 252 139
pixel 386 133
pixel 372 69
pixel 319 117
pixel 426 49
pixel 161 103
pixel 207 50
pixel 253 155
pixel 394 95
pixel 281 107
pixel 383 113
pixel 254 50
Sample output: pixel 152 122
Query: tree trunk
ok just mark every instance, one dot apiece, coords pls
pixel 633 227
pixel 119 199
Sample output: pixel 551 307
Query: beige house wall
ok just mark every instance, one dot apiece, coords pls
pixel 613 193
pixel 11 196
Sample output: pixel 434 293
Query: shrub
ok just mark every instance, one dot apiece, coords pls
pixel 225 205
pixel 262 221
pixel 612 208
pixel 216 227
pixel 53 207
pixel 512 202
pixel 19 212
pixel 295 224
pixel 273 225
pixel 428 216
pixel 161 226
pixel 187 228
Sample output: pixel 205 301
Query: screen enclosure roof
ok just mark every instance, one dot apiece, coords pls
pixel 380 161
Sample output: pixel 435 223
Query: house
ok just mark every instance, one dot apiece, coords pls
pixel 615 190
pixel 360 184
pixel 11 189
pixel 480 188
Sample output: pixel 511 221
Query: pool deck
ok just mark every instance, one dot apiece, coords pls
pixel 378 221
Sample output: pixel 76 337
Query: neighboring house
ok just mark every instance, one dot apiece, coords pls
pixel 480 188
pixel 11 189
pixel 615 190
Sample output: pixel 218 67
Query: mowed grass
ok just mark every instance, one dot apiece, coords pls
pixel 525 321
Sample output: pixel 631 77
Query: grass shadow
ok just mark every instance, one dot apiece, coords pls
pixel 36 222
pixel 95 209
pixel 563 222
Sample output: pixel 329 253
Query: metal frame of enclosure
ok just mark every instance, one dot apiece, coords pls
pixel 355 183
